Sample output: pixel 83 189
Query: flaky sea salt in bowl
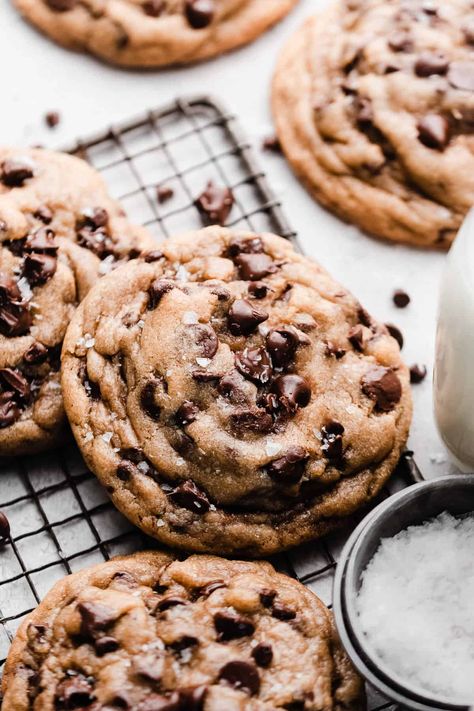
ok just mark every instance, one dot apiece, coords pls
pixel 404 596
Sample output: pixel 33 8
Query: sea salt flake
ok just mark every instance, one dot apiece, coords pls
pixel 272 448
pixel 25 288
pixel 89 341
pixel 203 362
pixel 160 523
pixel 190 317
pixel 106 265
pixel 143 467
pixel 141 323
pixel 107 436
pixel 181 274
pixel 88 437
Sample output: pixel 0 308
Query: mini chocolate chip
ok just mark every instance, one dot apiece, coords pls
pixel 126 470
pixel 254 364
pixel 188 496
pixel 38 268
pixel 253 267
pixel 105 645
pixel 257 289
pixel 16 171
pixel 44 214
pixel 211 587
pixel 263 654
pixel 331 438
pixel 417 373
pixel 395 332
pixel 282 344
pixel 283 612
pixel 356 338
pixel 433 131
pixel 37 353
pixel 256 420
pixel 428 64
pixel 186 414
pixel 292 392
pixel 153 8
pixel 199 13
pixel 230 625
pixel 52 118
pixel 290 468
pixel 271 143
pixel 400 42
pixel 157 290
pixel 245 245
pixel 461 75
pixel 241 675
pixel 331 349
pixel 95 617
pixel 243 318
pixel 4 527
pixel 382 385
pixel 214 204
pixel 148 402
pixel 171 601
pixel 74 692
pixel 9 410
pixel 400 298
pixel 206 339
pixel 13 380
pixel 267 596
pixel 154 256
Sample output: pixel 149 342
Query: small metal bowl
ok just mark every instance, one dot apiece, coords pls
pixel 411 506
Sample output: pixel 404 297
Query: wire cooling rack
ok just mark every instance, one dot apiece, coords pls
pixel 61 519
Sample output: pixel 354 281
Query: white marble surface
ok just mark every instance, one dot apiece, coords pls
pixel 38 76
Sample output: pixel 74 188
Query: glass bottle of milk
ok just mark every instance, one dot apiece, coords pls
pixel 454 367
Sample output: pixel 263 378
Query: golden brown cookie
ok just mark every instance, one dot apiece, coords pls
pixel 231 396
pixel 59 231
pixel 374 108
pixel 149 633
pixel 153 33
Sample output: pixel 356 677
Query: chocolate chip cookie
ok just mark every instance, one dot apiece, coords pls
pixel 231 396
pixel 149 633
pixel 59 231
pixel 153 33
pixel 374 107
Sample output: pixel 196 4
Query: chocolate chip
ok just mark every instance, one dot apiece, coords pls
pixel 254 364
pixel 282 344
pixel 199 13
pixel 382 385
pixel 267 596
pixel 74 692
pixel 400 42
pixel 52 118
pixel 253 267
pixel 186 414
pixel 214 204
pixel 154 8
pixel 271 143
pixel 94 217
pixel 16 171
pixel 292 392
pixel 105 645
pixel 13 380
pixel 230 625
pixel 192 698
pixel 230 386
pixel 434 131
pixel 163 192
pixel 61 5
pixel 148 402
pixel 9 410
pixel 257 289
pixel 245 245
pixel 41 242
pixel 4 528
pixel 256 420
pixel 263 654
pixel 395 332
pixel 171 601
pixel 331 441
pixel 417 373
pixel 37 353
pixel 283 612
pixel 211 587
pixel 188 496
pixel 356 338
pixel 154 256
pixel 428 64
pixel 243 318
pixel 400 298
pixel 38 268
pixel 206 339
pixel 95 618
pixel 332 350
pixel 290 468
pixel 157 290
pixel 221 293
pixel 461 75
pixel 184 642
pixel 241 675
pixel 126 470
pixel 43 214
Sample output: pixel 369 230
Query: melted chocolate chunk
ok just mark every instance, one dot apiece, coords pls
pixel 258 289
pixel 253 267
pixel 171 601
pixel 417 374
pixel 254 364
pixel 15 317
pixel 4 527
pixel 41 241
pixel 334 351
pixel 37 353
pixel 331 438
pixel 243 318
pixel 461 75
pixel 241 675
pixel 212 587
pixel 288 469
pixel 95 618
pixel 214 204
pixel 263 655
pixel 94 217
pixel 157 290
pixel 105 645
pixel 400 298
pixel 75 692
pixel 383 386
pixel 44 214
pixel 39 268
pixel 256 420
pixel 230 625
pixel 356 338
pixel 267 596
pixel 186 414
pixel 282 344
pixel 283 612
pixel 184 642
pixel 230 386
pixel 154 256
pixel 245 245
pixel 12 380
pixel 292 392
pixel 433 131
pixel 192 698
pixel 188 496
pixel 395 332
pixel 154 8
pixel 126 470
pixel 428 64
pixel 148 402
pixel 199 13
pixel 15 171
pixel 206 339
pixel 9 410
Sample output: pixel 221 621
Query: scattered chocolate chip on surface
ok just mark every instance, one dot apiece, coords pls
pixel 417 373
pixel 400 298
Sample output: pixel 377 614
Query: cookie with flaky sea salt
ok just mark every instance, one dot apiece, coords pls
pixel 153 33
pixel 59 231
pixel 374 108
pixel 232 397
pixel 149 633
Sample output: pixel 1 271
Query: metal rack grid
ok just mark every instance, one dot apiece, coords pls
pixel 60 517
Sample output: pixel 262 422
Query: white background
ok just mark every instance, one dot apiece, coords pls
pixel 37 76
